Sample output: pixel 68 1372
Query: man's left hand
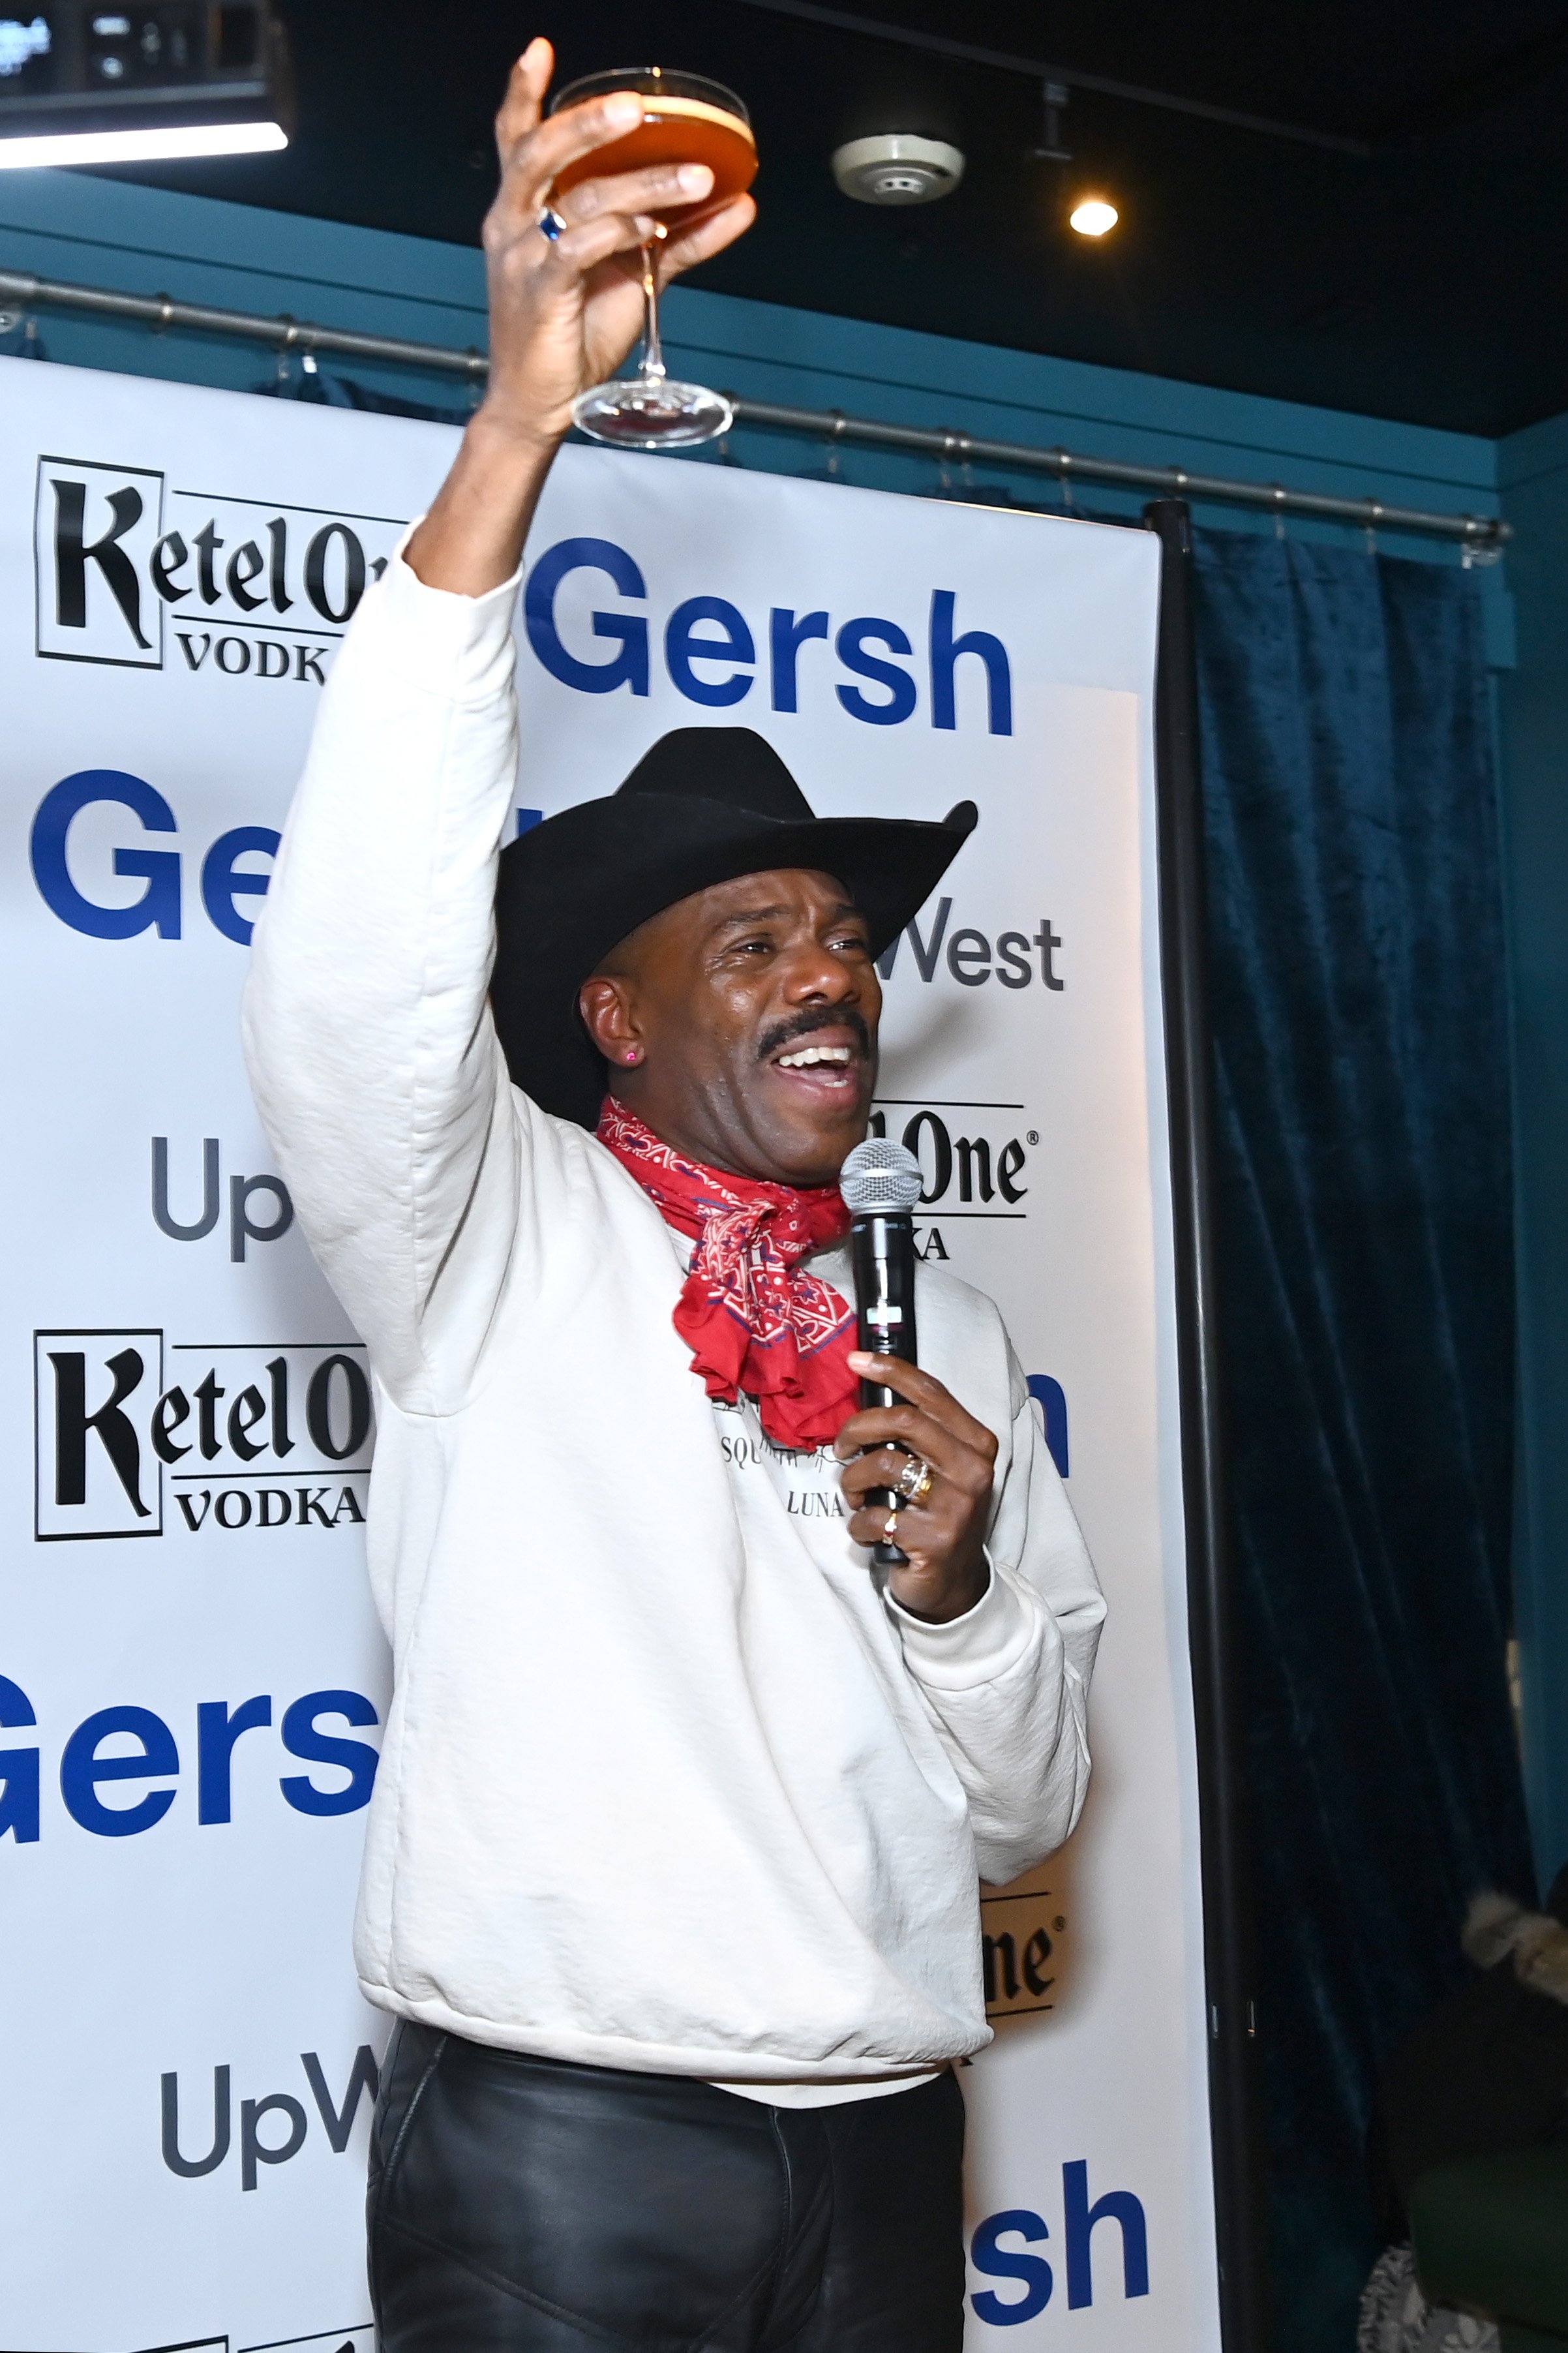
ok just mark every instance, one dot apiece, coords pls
pixel 944 1534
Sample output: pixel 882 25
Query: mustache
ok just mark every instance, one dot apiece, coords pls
pixel 821 1016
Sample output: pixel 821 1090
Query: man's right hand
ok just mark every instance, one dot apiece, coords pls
pixel 564 315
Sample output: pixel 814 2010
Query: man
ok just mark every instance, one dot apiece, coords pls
pixel 670 1875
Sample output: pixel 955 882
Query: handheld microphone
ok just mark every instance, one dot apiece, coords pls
pixel 881 1182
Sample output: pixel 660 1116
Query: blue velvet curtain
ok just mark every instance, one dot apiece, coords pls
pixel 1362 1193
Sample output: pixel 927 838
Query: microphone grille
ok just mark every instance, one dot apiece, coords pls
pixel 880 1175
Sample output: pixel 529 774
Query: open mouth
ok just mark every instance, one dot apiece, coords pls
pixel 829 1069
pixel 804 1057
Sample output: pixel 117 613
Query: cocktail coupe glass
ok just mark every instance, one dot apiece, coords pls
pixel 686 120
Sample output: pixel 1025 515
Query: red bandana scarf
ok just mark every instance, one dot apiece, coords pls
pixel 754 1320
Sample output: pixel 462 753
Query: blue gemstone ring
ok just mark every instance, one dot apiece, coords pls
pixel 551 224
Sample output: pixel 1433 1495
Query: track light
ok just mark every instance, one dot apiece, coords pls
pixel 81 82
pixel 1093 216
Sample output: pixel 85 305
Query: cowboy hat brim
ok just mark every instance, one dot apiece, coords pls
pixel 574 887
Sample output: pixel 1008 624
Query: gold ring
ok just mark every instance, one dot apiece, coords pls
pixel 915 1481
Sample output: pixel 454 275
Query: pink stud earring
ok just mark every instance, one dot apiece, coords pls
pixel 634 1053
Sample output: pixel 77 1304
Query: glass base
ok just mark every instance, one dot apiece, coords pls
pixel 652 412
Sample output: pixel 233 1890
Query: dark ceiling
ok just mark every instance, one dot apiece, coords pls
pixel 1425 278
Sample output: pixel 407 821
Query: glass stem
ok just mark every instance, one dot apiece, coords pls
pixel 652 351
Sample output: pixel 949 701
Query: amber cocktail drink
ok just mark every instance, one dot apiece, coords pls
pixel 686 120
pixel 674 131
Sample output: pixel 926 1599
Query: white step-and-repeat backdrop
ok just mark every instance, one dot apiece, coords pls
pixel 191 1677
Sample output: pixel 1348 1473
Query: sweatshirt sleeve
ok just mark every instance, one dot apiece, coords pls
pixel 367 1030
pixel 1008 1683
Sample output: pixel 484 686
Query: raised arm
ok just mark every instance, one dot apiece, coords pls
pixel 370 1050
pixel 563 315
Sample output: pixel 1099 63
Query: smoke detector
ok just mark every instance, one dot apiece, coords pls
pixel 896 168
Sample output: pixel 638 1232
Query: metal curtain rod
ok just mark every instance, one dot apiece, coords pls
pixel 1171 481
pixel 22 291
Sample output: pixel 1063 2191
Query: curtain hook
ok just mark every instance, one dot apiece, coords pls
pixel 956 445
pixel 1482 545
pixel 1280 495
pixel 1373 511
pixel 23 323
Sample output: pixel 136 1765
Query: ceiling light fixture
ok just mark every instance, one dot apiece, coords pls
pixel 1093 216
pixel 59 149
pixel 83 83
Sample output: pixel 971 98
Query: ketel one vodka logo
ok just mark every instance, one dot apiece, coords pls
pixel 975 1161
pixel 136 1435
pixel 1022 1930
pixel 134 572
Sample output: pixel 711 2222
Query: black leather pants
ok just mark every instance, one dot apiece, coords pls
pixel 521 2205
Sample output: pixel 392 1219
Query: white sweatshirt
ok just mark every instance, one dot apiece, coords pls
pixel 667 1783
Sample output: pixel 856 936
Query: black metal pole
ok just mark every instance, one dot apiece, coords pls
pixel 1232 2016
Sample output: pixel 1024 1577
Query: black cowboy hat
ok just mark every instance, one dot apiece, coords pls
pixel 703 806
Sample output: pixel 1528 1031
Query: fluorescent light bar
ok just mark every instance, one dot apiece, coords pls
pixel 141 146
